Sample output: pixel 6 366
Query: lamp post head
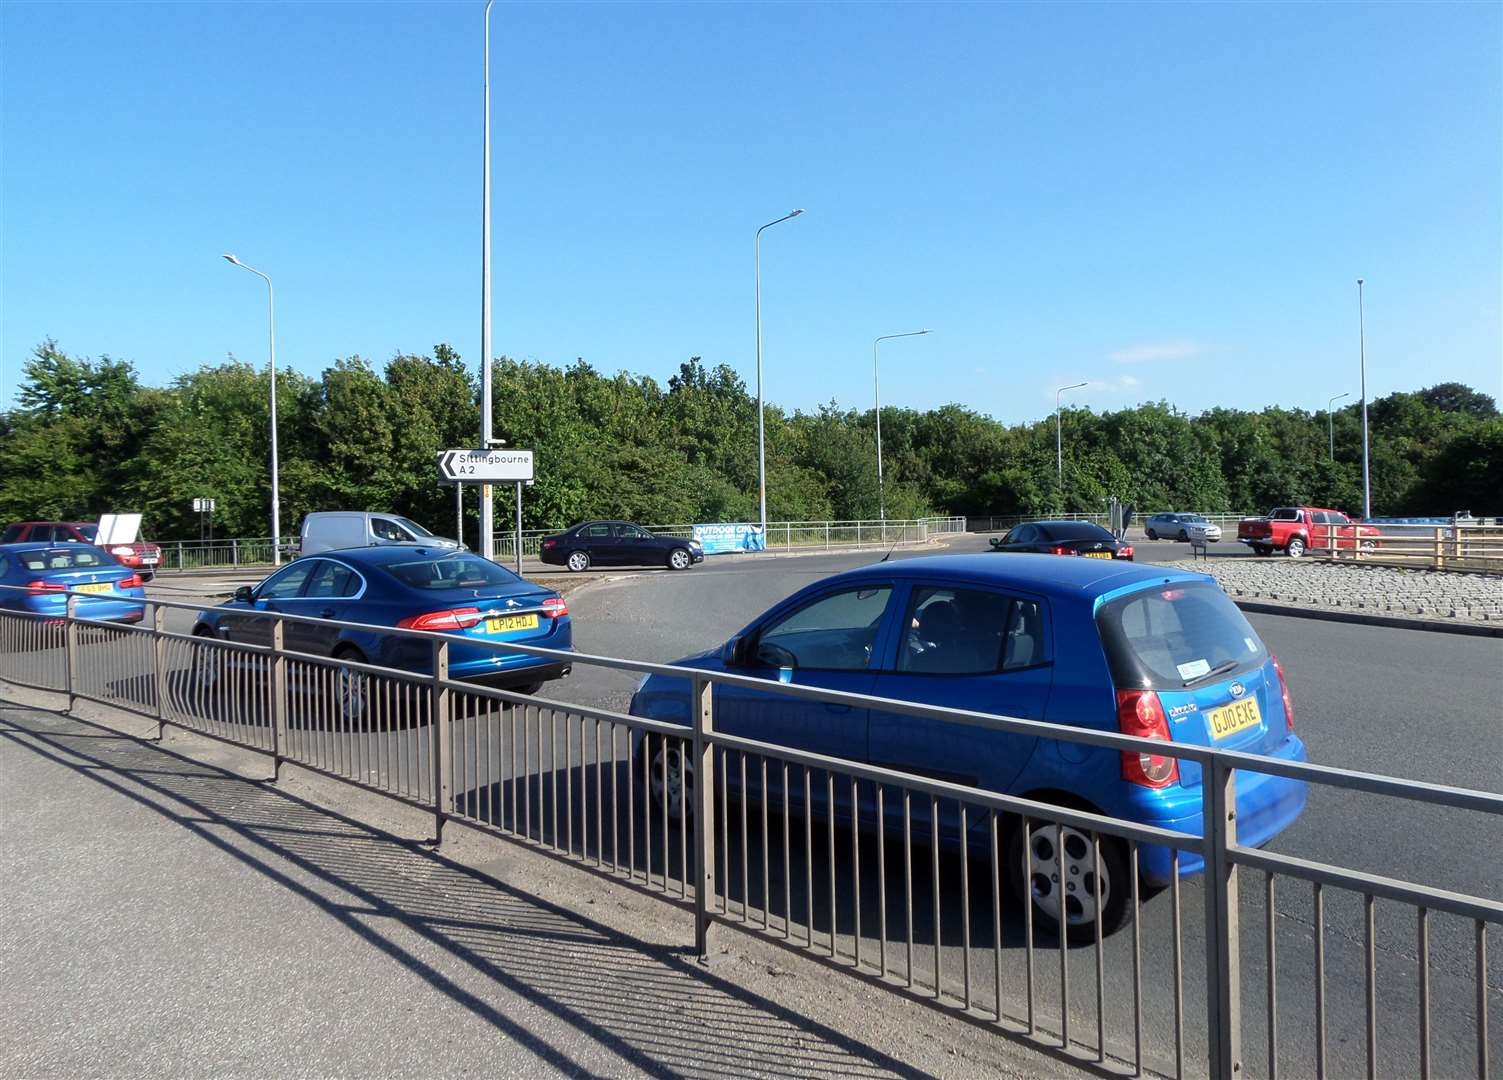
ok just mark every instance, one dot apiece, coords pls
pixel 1359 281
pixel 232 259
pixel 794 213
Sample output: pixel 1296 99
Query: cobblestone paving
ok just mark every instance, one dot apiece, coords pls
pixel 1379 589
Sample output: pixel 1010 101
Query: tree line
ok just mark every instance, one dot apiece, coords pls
pixel 86 437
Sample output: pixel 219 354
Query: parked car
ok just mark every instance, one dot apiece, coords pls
pixel 39 578
pixel 1153 652
pixel 140 555
pixel 332 530
pixel 1063 538
pixel 1181 527
pixel 414 588
pixel 618 543
pixel 1296 529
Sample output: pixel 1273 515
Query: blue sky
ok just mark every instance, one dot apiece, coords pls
pixel 1172 201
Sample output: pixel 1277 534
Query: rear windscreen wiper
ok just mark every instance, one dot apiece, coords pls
pixel 1219 669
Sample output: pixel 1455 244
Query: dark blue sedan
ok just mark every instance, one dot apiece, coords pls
pixel 1141 650
pixel 414 588
pixel 39 578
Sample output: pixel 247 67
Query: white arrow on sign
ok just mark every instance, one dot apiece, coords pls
pixel 484 466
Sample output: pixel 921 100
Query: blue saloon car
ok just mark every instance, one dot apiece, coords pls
pixel 39 577
pixel 1142 650
pixel 414 588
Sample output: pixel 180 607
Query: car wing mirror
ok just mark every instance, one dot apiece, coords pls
pixel 738 651
pixel 245 595
pixel 996 542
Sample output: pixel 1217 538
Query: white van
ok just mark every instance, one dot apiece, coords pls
pixel 327 530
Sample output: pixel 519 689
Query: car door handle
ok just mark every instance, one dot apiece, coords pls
pixel 831 707
pixel 326 613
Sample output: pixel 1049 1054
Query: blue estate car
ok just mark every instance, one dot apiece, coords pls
pixel 412 587
pixel 39 577
pixel 1095 644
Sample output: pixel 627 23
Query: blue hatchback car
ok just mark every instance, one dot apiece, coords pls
pixel 40 576
pixel 1083 643
pixel 414 588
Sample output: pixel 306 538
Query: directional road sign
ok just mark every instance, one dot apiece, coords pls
pixel 484 466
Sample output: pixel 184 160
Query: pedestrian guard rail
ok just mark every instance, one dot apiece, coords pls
pixel 805 848
pixel 1227 522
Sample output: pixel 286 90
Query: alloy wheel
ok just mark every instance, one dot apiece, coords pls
pixel 1069 874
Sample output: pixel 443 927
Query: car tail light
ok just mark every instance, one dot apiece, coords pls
pixel 122 551
pixel 132 582
pixel 1139 712
pixel 555 608
pixel 1284 690
pixel 550 543
pixel 1125 551
pixel 1060 551
pixel 45 586
pixel 452 619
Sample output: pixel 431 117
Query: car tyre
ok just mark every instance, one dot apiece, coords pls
pixel 680 559
pixel 1152 535
pixel 680 774
pixel 578 561
pixel 1184 537
pixel 1045 878
pixel 208 663
pixel 352 689
pixel 1296 547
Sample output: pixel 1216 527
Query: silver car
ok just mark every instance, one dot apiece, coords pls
pixel 1181 527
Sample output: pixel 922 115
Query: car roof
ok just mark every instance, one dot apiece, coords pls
pixel 1048 574
pixel 385 553
pixel 45 545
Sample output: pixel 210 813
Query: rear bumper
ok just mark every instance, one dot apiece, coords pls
pixel 517 676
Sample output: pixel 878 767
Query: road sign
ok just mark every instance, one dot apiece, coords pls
pixel 484 466
pixel 203 505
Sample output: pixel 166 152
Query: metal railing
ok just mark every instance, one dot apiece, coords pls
pixel 1227 522
pixel 1461 546
pixel 802 847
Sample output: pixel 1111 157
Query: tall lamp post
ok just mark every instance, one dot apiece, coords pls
pixel 877 395
pixel 1367 489
pixel 1331 425
pixel 1059 442
pixel 276 502
pixel 761 439
pixel 487 532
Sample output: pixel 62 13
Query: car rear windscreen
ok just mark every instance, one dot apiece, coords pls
pixel 73 557
pixel 451 572
pixel 1170 637
pixel 1076 530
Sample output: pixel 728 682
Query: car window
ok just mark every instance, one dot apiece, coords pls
pixel 953 631
pixel 834 633
pixel 332 579
pixel 1077 530
pixel 1165 637
pixel 89 532
pixel 595 532
pixel 1286 513
pixel 458 571
pixel 73 557
pixel 11 534
pixel 413 527
pixel 630 532
pixel 1336 518
pixel 387 529
pixel 1023 534
pixel 286 583
pixel 1023 644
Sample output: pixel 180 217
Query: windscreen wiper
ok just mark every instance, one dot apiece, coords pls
pixel 1219 669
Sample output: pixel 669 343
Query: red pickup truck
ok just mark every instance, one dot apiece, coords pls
pixel 1297 529
pixel 141 556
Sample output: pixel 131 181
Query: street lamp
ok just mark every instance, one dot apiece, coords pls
pixel 1059 441
pixel 1331 425
pixel 761 441
pixel 1367 490
pixel 276 510
pixel 487 536
pixel 877 394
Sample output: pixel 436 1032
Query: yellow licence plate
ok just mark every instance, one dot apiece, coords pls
pixel 1230 719
pixel 96 587
pixel 505 623
pixel 1098 554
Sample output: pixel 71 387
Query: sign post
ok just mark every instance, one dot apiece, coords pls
pixel 518 544
pixel 486 467
pixel 205 507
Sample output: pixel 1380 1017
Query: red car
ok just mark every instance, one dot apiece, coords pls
pixel 1297 529
pixel 140 556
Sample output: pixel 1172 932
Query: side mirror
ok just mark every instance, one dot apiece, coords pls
pixel 245 595
pixel 996 542
pixel 733 652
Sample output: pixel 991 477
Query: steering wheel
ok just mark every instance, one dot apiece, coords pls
pixel 774 655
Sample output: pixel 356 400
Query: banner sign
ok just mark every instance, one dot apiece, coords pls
pixel 720 539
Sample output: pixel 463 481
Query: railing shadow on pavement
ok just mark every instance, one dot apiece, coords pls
pixel 610 986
